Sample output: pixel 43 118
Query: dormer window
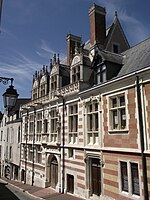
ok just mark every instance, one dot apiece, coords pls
pixel 42 90
pixel 115 48
pixel 54 82
pixel 100 74
pixel 75 74
pixel 35 93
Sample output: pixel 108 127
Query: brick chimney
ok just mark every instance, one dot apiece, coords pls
pixel 73 42
pixel 97 25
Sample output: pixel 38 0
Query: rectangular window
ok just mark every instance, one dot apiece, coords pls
pixel 39 122
pixel 54 82
pixel 54 119
pixel 101 74
pixel 73 123
pixel 31 123
pixel 135 179
pixel 118 112
pixel 70 153
pixel 129 178
pixel 92 123
pixel 43 93
pixel 45 125
pixel 115 48
pixel 124 176
pixel 35 92
pixel 76 74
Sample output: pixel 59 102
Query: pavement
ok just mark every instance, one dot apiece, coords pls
pixel 39 193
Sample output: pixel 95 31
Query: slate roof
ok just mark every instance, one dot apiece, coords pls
pixel 136 58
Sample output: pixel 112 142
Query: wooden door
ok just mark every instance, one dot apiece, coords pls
pixel 96 177
pixel 54 173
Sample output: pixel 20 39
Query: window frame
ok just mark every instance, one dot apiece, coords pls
pixel 76 73
pixel 118 108
pixel 130 192
pixel 73 127
pixel 92 113
pixel 53 125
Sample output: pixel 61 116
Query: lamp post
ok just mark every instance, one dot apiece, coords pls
pixel 11 95
pixel 63 142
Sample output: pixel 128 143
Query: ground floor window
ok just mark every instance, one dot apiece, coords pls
pixel 70 183
pixel 129 174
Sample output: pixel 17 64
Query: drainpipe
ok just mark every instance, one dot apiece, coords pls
pixel 143 157
pixel 33 148
pixel 63 150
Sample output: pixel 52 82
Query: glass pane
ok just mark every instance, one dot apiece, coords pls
pixel 115 119
pixel 123 118
pixel 96 121
pixel 124 176
pixel 114 102
pixel 122 101
pixel 103 76
pixel 135 179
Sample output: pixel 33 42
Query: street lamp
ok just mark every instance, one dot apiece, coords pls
pixel 11 95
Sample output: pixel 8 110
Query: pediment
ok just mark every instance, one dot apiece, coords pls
pixel 43 79
pixel 35 84
pixel 54 69
pixel 76 60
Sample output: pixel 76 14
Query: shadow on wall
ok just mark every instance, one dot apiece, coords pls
pixel 5 193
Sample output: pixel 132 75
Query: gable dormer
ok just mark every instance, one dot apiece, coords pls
pixel 106 65
pixel 40 85
pixel 116 40
pixel 54 74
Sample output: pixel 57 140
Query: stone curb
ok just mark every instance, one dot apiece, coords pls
pixel 23 190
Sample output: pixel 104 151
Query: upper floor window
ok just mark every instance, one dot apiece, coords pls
pixel 75 74
pixel 54 82
pixel 73 123
pixel 92 123
pixel 26 125
pixel 54 118
pixel 1 135
pixel 19 134
pixel 7 136
pixel 31 123
pixel 100 74
pixel 118 112
pixel 39 122
pixel 115 48
pixel 35 93
pixel 43 90
pixel 45 125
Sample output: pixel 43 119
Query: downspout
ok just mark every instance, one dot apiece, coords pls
pixel 63 150
pixel 143 157
pixel 33 149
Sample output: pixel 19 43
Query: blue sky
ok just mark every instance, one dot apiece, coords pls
pixel 33 30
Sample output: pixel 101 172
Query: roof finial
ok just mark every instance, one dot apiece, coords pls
pixel 116 14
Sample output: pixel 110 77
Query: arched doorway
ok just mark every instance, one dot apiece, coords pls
pixel 53 172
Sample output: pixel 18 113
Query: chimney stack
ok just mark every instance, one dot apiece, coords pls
pixel 97 25
pixel 73 42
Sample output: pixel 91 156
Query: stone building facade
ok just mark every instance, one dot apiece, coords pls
pixel 86 129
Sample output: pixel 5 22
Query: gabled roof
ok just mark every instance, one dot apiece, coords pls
pixel 110 31
pixel 136 58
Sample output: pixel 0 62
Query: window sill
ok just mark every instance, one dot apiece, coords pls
pixel 121 131
pixel 129 195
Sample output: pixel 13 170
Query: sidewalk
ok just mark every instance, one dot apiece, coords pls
pixel 41 193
